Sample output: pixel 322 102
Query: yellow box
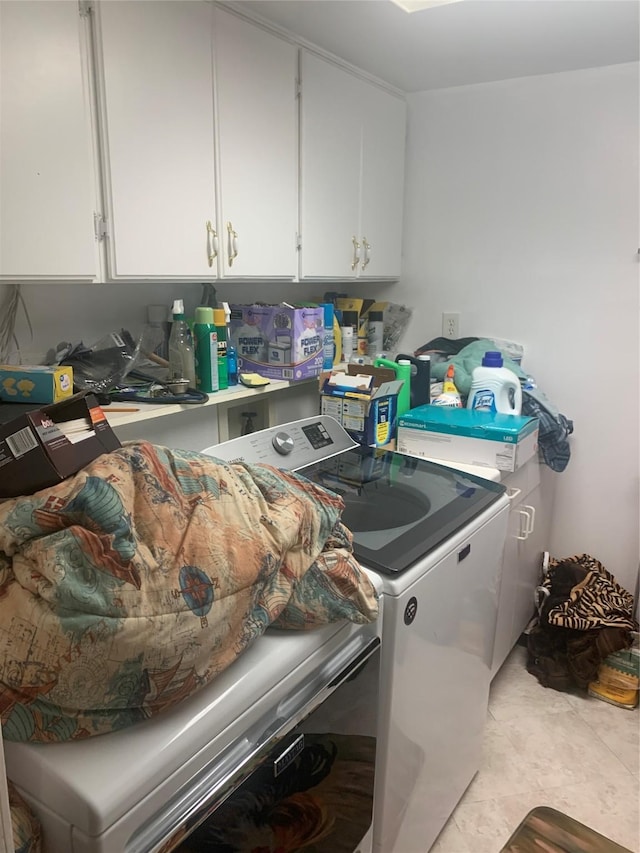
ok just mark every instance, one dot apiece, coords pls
pixel 35 383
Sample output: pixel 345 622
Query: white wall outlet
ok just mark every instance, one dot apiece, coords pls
pixel 450 325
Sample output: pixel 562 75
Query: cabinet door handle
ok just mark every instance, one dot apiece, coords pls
pixel 356 253
pixel 233 244
pixel 212 243
pixel 367 252
pixel 531 512
pixel 513 493
pixel 524 527
pixel 528 513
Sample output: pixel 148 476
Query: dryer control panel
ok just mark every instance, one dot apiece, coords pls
pixel 292 446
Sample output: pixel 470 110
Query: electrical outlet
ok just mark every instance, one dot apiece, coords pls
pixel 450 325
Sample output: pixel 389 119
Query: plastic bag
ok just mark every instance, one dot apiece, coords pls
pixel 106 363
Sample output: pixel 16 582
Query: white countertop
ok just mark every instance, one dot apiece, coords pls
pixel 150 411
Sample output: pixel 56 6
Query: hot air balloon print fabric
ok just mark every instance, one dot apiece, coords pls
pixel 135 582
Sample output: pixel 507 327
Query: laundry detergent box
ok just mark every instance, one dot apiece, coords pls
pixel 278 341
pixel 42 447
pixel 35 383
pixel 364 400
pixel 488 439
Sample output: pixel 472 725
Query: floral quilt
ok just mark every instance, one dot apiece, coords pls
pixel 132 584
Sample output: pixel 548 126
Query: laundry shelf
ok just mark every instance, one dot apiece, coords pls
pixel 220 401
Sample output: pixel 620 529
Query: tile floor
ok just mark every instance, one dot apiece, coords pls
pixel 574 753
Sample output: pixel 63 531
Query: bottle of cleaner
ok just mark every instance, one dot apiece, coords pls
pixel 450 395
pixel 232 355
pixel 402 369
pixel 181 355
pixel 495 388
pixel 375 329
pixel 328 346
pixel 206 339
pixel 420 378
pixel 219 321
pixel 349 331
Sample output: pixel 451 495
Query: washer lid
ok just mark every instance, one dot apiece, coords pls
pixel 399 508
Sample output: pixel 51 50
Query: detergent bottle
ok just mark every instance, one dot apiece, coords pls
pixel 402 369
pixel 420 378
pixel 495 388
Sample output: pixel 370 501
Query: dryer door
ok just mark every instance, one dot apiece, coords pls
pixel 304 774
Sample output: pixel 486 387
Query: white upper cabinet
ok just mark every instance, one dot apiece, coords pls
pixel 155 75
pixel 382 186
pixel 46 170
pixel 352 174
pixel 330 163
pixel 256 111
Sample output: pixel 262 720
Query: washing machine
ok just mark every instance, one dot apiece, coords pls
pixel 434 536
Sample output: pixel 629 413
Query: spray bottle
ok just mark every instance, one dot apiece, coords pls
pixel 181 356
pixel 450 395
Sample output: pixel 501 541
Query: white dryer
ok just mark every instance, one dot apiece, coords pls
pixel 434 536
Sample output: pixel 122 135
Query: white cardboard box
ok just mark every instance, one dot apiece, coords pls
pixel 499 441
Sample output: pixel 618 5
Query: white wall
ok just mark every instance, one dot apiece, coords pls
pixel 522 214
pixel 73 312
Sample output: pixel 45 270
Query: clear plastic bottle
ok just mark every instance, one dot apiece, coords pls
pixel 181 355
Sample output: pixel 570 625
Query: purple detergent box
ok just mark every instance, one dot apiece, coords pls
pixel 278 341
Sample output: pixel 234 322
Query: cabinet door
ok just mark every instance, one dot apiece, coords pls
pixel 46 168
pixel 330 154
pixel 530 551
pixel 156 85
pixel 504 639
pixel 382 191
pixel 255 77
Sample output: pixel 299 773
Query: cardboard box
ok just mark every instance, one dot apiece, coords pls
pixel 278 341
pixel 35 384
pixel 480 438
pixel 364 401
pixel 45 446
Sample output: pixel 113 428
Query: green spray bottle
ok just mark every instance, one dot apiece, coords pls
pixel 402 370
pixel 206 340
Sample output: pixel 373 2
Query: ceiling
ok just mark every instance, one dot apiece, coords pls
pixel 473 41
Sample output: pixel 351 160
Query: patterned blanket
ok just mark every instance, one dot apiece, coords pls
pixel 132 584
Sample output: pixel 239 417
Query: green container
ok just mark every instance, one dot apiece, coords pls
pixel 206 340
pixel 402 369
pixel 220 321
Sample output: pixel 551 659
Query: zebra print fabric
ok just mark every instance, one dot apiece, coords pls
pixel 582 595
